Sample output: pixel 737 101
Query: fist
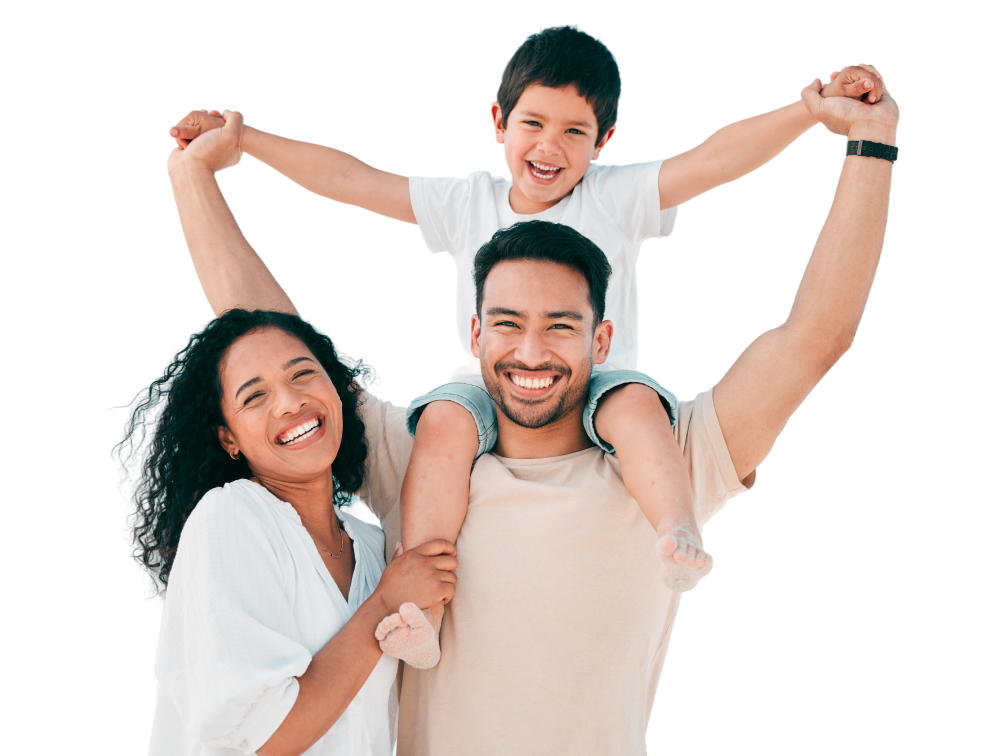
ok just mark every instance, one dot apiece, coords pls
pixel 216 148
pixel 195 123
pixel 862 82
pixel 846 114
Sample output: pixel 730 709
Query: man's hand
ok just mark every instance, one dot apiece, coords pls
pixel 862 82
pixel 216 149
pixel 849 117
pixel 197 122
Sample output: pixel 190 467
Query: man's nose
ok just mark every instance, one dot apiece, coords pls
pixel 532 349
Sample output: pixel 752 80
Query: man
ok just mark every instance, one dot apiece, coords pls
pixel 556 636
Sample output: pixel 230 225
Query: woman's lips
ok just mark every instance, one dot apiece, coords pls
pixel 302 432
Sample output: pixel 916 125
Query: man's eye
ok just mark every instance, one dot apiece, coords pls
pixel 562 326
pixel 505 323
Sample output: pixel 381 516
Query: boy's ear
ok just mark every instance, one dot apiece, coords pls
pixel 498 119
pixel 603 142
pixel 475 337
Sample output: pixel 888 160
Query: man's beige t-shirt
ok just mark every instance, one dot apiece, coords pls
pixel 555 639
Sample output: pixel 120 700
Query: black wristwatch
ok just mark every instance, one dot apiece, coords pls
pixel 872 149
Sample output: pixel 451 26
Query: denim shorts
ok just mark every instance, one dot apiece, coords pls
pixel 474 397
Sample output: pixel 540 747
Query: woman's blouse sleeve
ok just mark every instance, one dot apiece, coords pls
pixel 227 655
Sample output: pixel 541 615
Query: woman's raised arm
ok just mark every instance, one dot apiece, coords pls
pixel 230 271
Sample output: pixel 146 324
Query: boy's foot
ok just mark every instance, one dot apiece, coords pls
pixel 684 562
pixel 412 636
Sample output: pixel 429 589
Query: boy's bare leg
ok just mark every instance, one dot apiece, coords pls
pixel 433 503
pixel 633 420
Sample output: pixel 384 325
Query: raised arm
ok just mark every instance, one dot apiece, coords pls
pixel 324 171
pixel 231 273
pixel 744 146
pixel 773 376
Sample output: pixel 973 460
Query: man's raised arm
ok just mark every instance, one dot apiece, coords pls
pixel 773 376
pixel 231 273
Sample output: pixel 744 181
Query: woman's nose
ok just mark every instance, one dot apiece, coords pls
pixel 288 401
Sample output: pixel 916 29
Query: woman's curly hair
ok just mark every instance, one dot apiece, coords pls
pixel 183 459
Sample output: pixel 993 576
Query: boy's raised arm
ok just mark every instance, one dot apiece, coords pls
pixel 742 147
pixel 775 373
pixel 324 171
pixel 230 271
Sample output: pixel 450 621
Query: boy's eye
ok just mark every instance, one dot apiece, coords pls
pixel 531 123
pixel 576 131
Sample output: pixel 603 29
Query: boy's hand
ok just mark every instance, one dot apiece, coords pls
pixel 217 149
pixel 850 117
pixel 862 82
pixel 197 122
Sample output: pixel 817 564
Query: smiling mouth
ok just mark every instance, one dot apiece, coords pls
pixel 534 385
pixel 544 172
pixel 300 432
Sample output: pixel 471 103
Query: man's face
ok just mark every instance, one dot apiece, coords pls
pixel 549 142
pixel 536 340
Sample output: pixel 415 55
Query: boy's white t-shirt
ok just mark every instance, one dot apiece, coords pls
pixel 616 206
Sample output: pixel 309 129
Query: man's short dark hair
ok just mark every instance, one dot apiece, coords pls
pixel 560 56
pixel 549 242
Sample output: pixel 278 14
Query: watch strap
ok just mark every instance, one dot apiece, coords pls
pixel 872 149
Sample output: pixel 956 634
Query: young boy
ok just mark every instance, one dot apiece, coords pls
pixel 555 113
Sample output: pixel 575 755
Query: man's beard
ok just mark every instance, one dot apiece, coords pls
pixel 521 411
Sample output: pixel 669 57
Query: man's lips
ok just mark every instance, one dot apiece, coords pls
pixel 532 383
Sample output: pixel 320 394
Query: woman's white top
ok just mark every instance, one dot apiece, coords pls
pixel 249 601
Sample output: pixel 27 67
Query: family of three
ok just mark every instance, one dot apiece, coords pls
pixel 533 597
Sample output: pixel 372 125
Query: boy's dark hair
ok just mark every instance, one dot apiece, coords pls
pixel 169 454
pixel 549 242
pixel 560 56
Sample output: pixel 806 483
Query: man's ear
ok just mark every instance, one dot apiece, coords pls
pixel 498 122
pixel 602 342
pixel 475 336
pixel 226 440
pixel 603 143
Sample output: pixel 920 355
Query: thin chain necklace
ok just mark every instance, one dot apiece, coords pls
pixel 340 530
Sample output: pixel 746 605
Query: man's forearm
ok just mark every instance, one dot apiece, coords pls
pixel 231 273
pixel 749 144
pixel 836 284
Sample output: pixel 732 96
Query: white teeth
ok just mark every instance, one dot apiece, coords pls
pixel 300 432
pixel 532 383
pixel 543 173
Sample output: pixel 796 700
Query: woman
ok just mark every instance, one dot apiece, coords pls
pixel 273 594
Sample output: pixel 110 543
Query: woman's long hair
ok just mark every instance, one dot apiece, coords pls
pixel 183 458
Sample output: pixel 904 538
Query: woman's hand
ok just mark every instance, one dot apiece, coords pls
pixel 215 149
pixel 424 575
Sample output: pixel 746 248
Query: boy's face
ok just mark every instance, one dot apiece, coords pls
pixel 548 144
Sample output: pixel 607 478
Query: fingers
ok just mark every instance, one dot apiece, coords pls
pixel 445 562
pixel 436 547
pixel 811 95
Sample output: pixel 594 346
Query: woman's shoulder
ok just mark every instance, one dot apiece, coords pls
pixel 234 507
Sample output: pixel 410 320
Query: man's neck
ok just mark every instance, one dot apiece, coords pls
pixel 564 436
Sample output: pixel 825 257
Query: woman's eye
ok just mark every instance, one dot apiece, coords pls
pixel 252 397
pixel 302 373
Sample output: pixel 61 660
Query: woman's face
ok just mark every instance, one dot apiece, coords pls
pixel 281 409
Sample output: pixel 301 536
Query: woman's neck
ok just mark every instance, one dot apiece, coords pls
pixel 311 499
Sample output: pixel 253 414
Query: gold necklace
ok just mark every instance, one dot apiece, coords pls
pixel 339 530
